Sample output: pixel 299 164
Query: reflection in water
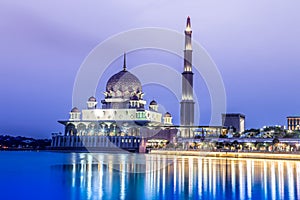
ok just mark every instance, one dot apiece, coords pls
pixel 298 179
pixel 264 188
pixel 273 183
pixel 280 180
pixel 233 177
pixel 103 176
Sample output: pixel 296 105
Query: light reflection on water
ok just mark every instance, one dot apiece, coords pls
pixel 137 176
pixel 47 175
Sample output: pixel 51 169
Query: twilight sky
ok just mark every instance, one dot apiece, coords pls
pixel 255 45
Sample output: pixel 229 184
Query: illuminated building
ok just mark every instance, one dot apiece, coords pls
pixel 234 121
pixel 119 123
pixel 126 121
pixel 293 123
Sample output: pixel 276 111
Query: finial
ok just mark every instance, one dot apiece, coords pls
pixel 124 64
pixel 188 22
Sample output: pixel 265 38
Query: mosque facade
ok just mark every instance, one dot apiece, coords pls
pixel 120 120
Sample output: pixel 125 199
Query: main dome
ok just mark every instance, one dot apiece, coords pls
pixel 124 81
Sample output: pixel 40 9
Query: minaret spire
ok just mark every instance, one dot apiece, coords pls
pixel 187 82
pixel 188 23
pixel 124 63
pixel 188 46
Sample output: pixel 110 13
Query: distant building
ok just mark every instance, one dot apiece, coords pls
pixel 293 123
pixel 235 121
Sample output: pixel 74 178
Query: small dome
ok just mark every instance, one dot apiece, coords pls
pixel 93 99
pixel 134 97
pixel 153 103
pixel 75 109
pixel 168 114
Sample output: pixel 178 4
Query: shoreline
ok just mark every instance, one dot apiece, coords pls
pixel 211 154
pixel 252 155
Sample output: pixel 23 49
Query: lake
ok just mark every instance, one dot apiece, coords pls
pixel 49 175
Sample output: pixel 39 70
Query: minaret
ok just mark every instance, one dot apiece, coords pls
pixel 187 101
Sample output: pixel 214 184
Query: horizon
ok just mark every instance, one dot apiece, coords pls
pixel 43 47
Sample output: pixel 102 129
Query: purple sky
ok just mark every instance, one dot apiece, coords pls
pixel 255 45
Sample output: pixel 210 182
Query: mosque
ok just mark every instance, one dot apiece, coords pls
pixel 125 121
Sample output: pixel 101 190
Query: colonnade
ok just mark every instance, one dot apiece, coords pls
pixel 126 142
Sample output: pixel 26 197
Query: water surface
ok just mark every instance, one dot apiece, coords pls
pixel 47 175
